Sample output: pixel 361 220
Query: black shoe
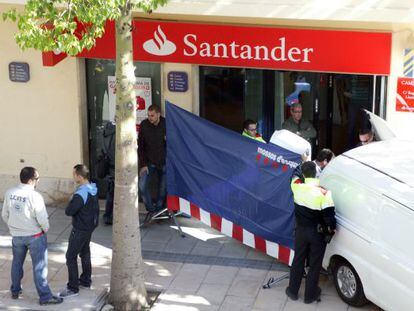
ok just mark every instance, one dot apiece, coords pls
pixel 84 286
pixel 66 293
pixel 52 301
pixel 291 295
pixel 107 220
pixel 317 297
pixel 16 295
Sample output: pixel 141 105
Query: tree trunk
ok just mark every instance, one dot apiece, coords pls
pixel 127 276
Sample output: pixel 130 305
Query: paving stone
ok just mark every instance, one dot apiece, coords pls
pixel 190 277
pixel 174 299
pixel 213 293
pixel 232 303
pixel 274 297
pixel 221 275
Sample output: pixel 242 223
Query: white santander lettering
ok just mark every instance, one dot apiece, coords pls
pixel 190 45
pixel 280 52
pixel 281 49
pixel 246 52
pixel 223 50
pixel 306 54
pixel 205 49
pixel 257 52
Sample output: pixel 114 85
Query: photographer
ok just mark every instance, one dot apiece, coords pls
pixel 315 226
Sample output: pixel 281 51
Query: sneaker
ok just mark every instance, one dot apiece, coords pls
pixel 66 293
pixel 52 301
pixel 16 295
pixel 290 294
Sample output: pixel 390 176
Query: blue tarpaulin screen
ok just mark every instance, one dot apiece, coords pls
pixel 240 179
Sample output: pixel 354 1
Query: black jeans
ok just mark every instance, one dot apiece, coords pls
pixel 109 204
pixel 79 245
pixel 309 244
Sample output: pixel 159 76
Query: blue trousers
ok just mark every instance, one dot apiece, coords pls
pixel 145 190
pixel 37 246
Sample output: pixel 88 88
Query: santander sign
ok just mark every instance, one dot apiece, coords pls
pixel 160 45
pixel 277 53
pixel 263 47
pixel 335 51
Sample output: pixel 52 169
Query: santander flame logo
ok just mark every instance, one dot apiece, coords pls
pixel 160 45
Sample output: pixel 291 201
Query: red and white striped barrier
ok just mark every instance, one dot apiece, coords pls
pixel 280 252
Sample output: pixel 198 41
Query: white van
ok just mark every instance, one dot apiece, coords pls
pixel 372 254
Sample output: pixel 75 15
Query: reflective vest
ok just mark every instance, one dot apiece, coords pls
pixel 258 137
pixel 313 204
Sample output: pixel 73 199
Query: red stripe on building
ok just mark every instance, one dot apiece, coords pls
pixel 195 211
pixel 237 233
pixel 173 203
pixel 284 254
pixel 215 222
pixel 260 243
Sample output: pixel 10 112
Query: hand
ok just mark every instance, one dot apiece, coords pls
pixel 348 94
pixel 143 171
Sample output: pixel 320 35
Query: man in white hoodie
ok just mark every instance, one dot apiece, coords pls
pixel 24 212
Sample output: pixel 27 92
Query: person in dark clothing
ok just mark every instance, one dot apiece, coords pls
pixel 84 209
pixel 109 152
pixel 315 225
pixel 152 153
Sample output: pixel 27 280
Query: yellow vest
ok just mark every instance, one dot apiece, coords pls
pixel 310 194
pixel 258 138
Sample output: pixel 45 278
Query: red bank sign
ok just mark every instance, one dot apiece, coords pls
pixel 254 47
pixel 405 95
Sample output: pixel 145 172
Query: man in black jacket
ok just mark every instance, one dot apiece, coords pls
pixel 152 151
pixel 84 209
pixel 109 152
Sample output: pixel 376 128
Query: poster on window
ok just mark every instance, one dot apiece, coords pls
pixel 143 98
pixel 405 94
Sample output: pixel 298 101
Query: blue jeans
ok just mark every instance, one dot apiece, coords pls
pixel 37 247
pixel 145 190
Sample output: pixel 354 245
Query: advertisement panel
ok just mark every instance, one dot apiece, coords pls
pixel 143 97
pixel 405 94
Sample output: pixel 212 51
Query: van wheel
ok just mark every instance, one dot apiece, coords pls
pixel 348 284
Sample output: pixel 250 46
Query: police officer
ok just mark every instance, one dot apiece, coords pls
pixel 250 131
pixel 315 225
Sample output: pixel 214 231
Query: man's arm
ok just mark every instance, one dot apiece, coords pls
pixel 5 210
pixel 328 210
pixel 141 150
pixel 40 212
pixel 75 204
pixel 309 131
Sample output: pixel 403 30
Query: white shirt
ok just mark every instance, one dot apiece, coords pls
pixel 318 170
pixel 24 211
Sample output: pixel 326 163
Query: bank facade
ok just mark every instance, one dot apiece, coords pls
pixel 223 63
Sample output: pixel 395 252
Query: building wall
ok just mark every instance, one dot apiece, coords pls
pixel 186 100
pixel 42 121
pixel 401 122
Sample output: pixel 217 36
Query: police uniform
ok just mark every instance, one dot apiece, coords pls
pixel 314 209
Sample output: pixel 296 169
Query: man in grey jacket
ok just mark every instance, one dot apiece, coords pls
pixel 297 125
pixel 24 212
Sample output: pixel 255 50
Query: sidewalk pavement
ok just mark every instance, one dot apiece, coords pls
pixel 203 271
